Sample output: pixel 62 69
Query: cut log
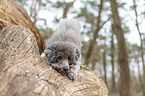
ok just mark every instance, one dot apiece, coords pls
pixel 13 14
pixel 24 73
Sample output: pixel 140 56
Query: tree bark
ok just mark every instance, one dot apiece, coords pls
pixel 104 66
pixel 112 60
pixel 24 73
pixel 13 14
pixel 140 77
pixel 122 51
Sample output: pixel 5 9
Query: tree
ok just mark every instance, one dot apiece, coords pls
pixel 34 9
pixel 95 34
pixel 104 66
pixel 122 51
pixel 23 72
pixel 134 55
pixel 66 9
pixel 112 59
pixel 141 46
pixel 13 14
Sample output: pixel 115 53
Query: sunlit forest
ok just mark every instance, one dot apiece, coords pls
pixel 113 37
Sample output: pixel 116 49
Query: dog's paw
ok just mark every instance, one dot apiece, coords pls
pixel 55 66
pixel 72 76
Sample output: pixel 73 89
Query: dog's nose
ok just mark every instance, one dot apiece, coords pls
pixel 65 68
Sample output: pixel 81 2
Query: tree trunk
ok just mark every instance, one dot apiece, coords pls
pixel 13 14
pixel 104 66
pixel 24 73
pixel 112 60
pixel 141 47
pixel 95 36
pixel 122 51
pixel 66 9
pixel 140 77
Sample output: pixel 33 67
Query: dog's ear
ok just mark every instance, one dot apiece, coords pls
pixel 51 55
pixel 48 52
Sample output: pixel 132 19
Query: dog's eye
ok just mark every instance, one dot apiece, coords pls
pixel 59 58
pixel 69 58
pixel 76 57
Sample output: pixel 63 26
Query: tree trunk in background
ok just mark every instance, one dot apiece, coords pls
pixel 34 10
pixel 112 61
pixel 13 14
pixel 141 46
pixel 122 51
pixel 66 9
pixel 24 73
pixel 104 66
pixel 140 77
pixel 93 58
pixel 95 36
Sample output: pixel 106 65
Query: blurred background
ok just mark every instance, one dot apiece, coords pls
pixel 100 42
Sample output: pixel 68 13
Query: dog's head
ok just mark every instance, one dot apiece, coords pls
pixel 62 55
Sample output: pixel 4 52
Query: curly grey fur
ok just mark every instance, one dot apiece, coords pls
pixel 64 48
